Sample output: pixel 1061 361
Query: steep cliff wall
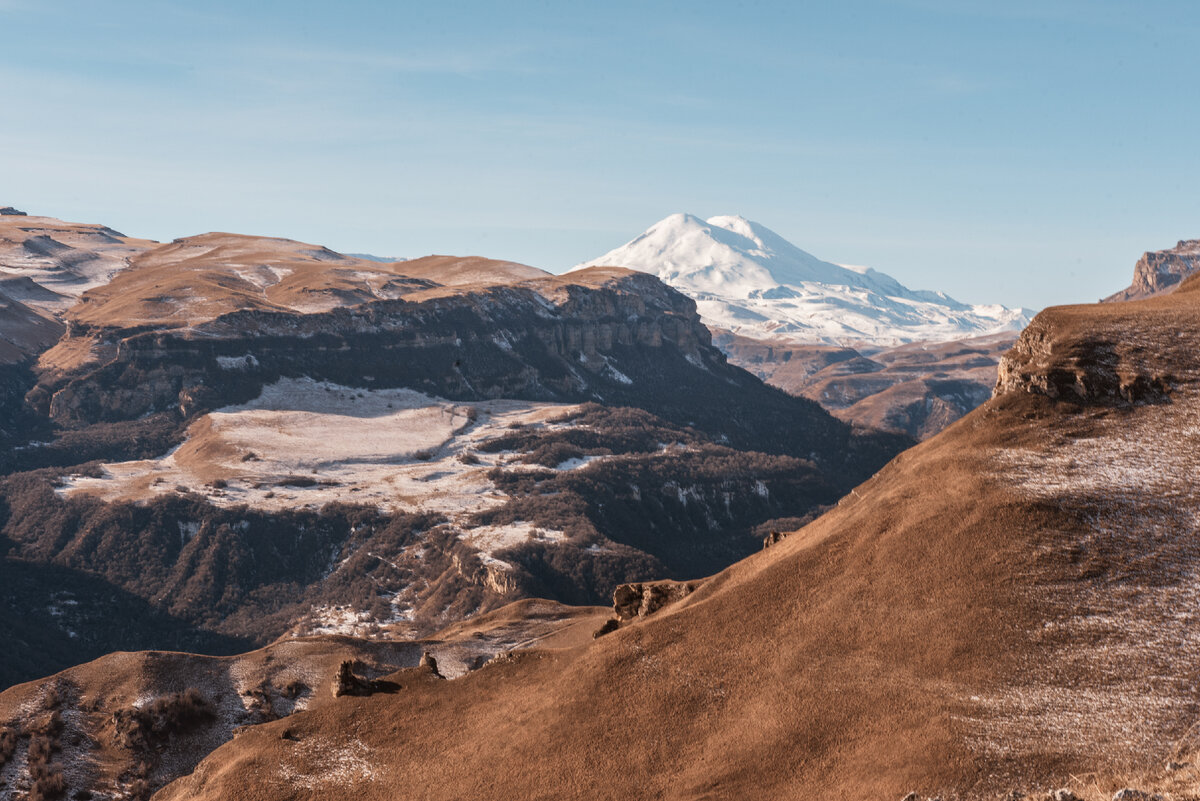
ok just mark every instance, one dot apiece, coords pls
pixel 1073 354
pixel 1160 271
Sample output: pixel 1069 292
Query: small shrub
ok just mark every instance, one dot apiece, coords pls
pixel 49 726
pixel 8 745
pixel 296 481
pixel 41 749
pixel 173 714
pixel 553 454
pixel 467 457
pixel 49 785
pixel 423 455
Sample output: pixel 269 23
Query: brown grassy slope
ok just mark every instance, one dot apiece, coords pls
pixel 1000 607
pixel 198 278
pixel 47 262
pixel 468 270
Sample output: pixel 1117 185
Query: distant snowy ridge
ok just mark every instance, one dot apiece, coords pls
pixel 748 279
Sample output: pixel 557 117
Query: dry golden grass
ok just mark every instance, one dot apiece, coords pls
pixel 196 279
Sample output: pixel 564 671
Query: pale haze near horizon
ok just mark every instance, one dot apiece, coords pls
pixel 1023 153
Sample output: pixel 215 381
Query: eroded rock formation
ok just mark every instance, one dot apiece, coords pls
pixel 1159 271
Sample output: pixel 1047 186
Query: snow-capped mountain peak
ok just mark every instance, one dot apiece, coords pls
pixel 749 279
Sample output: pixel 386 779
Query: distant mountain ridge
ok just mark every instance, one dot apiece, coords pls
pixel 750 280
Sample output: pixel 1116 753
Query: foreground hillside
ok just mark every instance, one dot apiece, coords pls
pixel 1006 606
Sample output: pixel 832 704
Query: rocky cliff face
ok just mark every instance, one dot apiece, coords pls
pixel 1160 271
pixel 504 342
pixel 1064 355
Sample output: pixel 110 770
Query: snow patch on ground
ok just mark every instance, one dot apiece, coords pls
pixel 489 539
pixel 338 620
pixel 237 362
pixel 305 443
pixel 577 462
pixel 325 766
pixel 618 376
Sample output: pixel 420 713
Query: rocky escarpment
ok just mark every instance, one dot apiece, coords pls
pixel 504 342
pixel 612 336
pixel 1072 354
pixel 1160 271
pixel 643 599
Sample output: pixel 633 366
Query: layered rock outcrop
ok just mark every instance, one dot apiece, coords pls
pixel 501 342
pixel 643 599
pixel 1063 355
pixel 1159 271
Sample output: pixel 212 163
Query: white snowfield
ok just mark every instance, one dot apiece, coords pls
pixel 304 443
pixel 749 280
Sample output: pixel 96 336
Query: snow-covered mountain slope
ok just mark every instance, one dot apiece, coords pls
pixel 753 282
pixel 47 263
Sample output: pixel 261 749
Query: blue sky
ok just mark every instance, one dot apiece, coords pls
pixel 1019 152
